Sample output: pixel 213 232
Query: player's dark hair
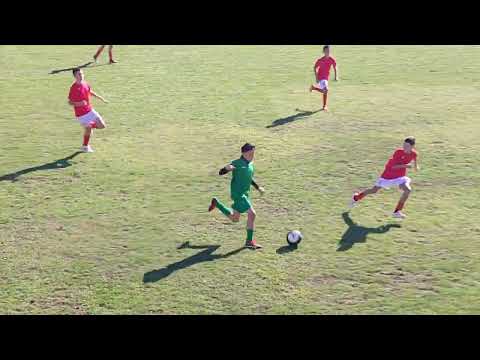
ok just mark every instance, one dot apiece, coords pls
pixel 326 47
pixel 247 147
pixel 410 140
pixel 74 71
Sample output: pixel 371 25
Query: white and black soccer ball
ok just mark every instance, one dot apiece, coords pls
pixel 294 237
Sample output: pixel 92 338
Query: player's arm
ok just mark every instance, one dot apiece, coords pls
pixel 98 96
pixel 77 103
pixel 315 70
pixel 396 160
pixel 226 169
pixel 258 187
pixel 408 166
pixel 402 166
pixel 335 69
pixel 415 164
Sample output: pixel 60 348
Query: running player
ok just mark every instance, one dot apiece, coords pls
pixel 321 69
pixel 395 175
pixel 110 53
pixel 242 177
pixel 79 98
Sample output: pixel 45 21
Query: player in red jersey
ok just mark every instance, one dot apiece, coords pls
pixel 395 175
pixel 110 53
pixel 79 98
pixel 321 70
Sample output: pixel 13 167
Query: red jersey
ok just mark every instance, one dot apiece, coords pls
pixel 80 92
pixel 323 66
pixel 400 157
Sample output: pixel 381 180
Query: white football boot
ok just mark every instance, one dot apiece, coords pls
pixel 399 215
pixel 86 149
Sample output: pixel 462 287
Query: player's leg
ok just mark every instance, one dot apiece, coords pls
pixel 99 123
pixel 86 139
pixel 110 54
pixel 225 210
pixel 99 51
pixel 251 242
pixel 403 199
pixel 95 121
pixel 325 99
pixel 319 86
pixel 324 88
pixel 360 195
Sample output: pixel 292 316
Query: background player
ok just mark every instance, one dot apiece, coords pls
pixel 110 53
pixel 79 98
pixel 321 69
pixel 395 175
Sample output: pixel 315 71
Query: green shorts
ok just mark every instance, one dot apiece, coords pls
pixel 242 204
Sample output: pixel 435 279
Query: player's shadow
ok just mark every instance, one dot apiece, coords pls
pixel 299 115
pixel 202 256
pixel 57 164
pixel 286 249
pixel 358 234
pixel 87 65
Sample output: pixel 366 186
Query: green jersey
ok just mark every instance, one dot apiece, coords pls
pixel 242 178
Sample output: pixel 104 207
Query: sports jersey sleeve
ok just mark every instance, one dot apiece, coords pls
pixel 334 62
pixel 224 170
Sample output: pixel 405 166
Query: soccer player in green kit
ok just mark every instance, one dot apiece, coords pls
pixel 242 177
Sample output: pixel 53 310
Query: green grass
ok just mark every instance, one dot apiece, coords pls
pixel 79 239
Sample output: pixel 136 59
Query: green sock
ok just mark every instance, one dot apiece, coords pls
pixel 249 234
pixel 225 210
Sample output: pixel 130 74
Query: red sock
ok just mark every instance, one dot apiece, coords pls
pixel 359 196
pixel 86 139
pixel 93 125
pixel 399 206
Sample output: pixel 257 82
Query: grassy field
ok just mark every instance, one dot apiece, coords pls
pixel 102 233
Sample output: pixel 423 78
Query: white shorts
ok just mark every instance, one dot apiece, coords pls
pixel 323 84
pixel 86 119
pixel 386 183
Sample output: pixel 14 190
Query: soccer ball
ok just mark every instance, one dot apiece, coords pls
pixel 294 237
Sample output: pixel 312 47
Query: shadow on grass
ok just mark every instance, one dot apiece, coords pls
pixel 87 65
pixel 286 249
pixel 358 234
pixel 202 256
pixel 57 164
pixel 300 115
